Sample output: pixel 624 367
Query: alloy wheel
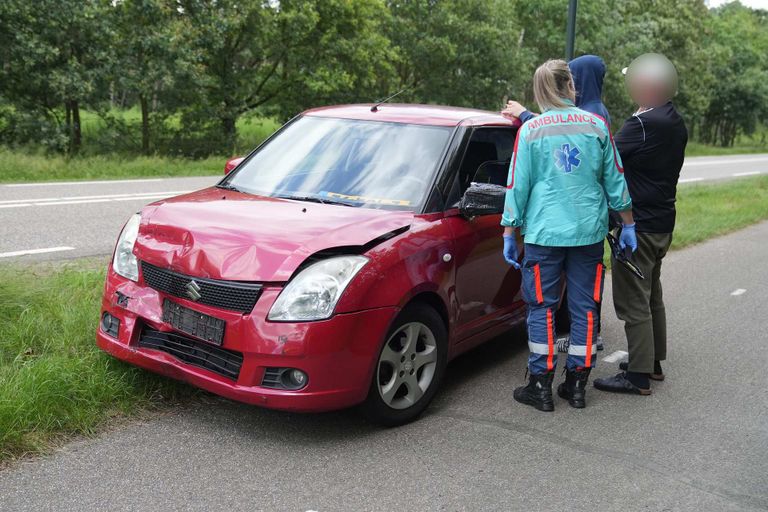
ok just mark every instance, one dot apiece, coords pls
pixel 407 365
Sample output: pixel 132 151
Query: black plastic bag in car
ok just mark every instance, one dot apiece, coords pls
pixel 483 199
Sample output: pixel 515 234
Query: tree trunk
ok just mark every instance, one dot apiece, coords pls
pixel 76 138
pixel 229 130
pixel 144 124
pixel 68 119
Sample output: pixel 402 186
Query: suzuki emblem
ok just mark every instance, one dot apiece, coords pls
pixel 193 290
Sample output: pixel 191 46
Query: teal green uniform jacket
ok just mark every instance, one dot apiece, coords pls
pixel 564 176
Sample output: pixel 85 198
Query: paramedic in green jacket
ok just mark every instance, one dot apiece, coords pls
pixel 564 176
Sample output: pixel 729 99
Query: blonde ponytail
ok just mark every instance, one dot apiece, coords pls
pixel 553 83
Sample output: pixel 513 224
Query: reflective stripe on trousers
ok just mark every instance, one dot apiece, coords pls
pixel 542 274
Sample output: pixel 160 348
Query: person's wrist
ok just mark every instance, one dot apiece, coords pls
pixel 630 226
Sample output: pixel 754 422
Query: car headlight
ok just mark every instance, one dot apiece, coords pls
pixel 124 262
pixel 313 294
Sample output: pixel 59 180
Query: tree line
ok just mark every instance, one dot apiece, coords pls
pixel 193 68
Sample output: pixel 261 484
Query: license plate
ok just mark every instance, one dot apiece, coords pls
pixel 194 323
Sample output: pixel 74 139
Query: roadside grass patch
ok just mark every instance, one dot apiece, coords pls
pixel 18 166
pixel 705 211
pixel 54 381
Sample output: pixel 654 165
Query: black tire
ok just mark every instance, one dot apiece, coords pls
pixel 375 408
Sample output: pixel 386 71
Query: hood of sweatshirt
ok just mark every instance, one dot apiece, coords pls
pixel 588 73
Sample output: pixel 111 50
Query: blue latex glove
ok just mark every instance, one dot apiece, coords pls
pixel 510 251
pixel 628 237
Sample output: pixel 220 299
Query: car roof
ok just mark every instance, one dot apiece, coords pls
pixel 431 115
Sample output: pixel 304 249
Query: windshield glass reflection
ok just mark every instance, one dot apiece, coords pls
pixel 358 163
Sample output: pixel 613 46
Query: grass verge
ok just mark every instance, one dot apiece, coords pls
pixel 709 210
pixel 17 166
pixel 698 149
pixel 55 383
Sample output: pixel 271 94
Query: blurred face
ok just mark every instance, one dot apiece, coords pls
pixel 651 80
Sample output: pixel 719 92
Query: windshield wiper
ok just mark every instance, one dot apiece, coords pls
pixel 228 186
pixel 316 199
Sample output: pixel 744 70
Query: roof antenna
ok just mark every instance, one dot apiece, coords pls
pixel 375 108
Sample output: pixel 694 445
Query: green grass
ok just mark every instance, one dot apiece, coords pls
pixel 709 210
pixel 16 166
pixel 54 382
pixel 699 149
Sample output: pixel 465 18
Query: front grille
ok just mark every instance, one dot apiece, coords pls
pixel 234 295
pixel 225 362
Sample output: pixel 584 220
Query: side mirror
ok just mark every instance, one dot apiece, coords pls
pixel 483 199
pixel 232 163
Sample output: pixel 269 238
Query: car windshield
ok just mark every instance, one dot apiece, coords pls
pixel 350 162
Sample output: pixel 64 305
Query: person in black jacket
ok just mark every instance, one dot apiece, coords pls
pixel 652 147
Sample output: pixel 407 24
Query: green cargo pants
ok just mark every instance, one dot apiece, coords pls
pixel 639 302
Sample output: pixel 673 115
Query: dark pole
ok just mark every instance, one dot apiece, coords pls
pixel 570 32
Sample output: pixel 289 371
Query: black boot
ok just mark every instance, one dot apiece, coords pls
pixel 538 392
pixel 574 389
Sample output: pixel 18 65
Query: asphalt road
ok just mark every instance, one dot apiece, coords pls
pixel 70 220
pixel 699 443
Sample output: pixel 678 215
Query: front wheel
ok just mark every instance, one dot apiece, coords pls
pixel 409 368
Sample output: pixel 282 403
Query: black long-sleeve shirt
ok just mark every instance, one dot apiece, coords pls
pixel 652 148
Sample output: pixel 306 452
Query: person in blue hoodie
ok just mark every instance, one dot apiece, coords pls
pixel 588 73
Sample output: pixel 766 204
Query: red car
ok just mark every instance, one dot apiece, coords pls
pixel 333 266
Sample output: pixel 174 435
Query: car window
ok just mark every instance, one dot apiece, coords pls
pixel 487 157
pixel 358 163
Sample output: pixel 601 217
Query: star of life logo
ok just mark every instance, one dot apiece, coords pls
pixel 567 158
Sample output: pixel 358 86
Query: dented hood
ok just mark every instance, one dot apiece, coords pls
pixel 222 234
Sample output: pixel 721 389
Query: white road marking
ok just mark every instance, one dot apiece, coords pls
pixel 752 173
pixel 617 356
pixel 56 183
pixel 726 162
pixel 690 180
pixel 56 201
pixel 738 291
pixel 99 196
pixel 35 251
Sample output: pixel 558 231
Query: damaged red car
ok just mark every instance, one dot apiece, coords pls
pixel 335 265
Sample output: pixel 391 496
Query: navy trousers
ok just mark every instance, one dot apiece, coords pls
pixel 544 269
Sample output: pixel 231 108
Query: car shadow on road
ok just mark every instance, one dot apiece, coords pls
pixel 485 359
pixel 249 423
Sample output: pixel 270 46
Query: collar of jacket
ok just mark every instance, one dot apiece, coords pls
pixel 566 101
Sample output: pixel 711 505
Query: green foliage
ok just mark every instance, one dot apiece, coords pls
pixel 53 379
pixel 455 52
pixel 739 65
pixel 194 68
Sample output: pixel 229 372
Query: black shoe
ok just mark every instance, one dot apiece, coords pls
pixel 656 375
pixel 538 392
pixel 619 383
pixel 574 387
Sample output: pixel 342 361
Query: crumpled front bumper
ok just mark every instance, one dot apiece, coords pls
pixel 338 355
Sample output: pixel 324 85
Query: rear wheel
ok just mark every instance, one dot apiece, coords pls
pixel 409 368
